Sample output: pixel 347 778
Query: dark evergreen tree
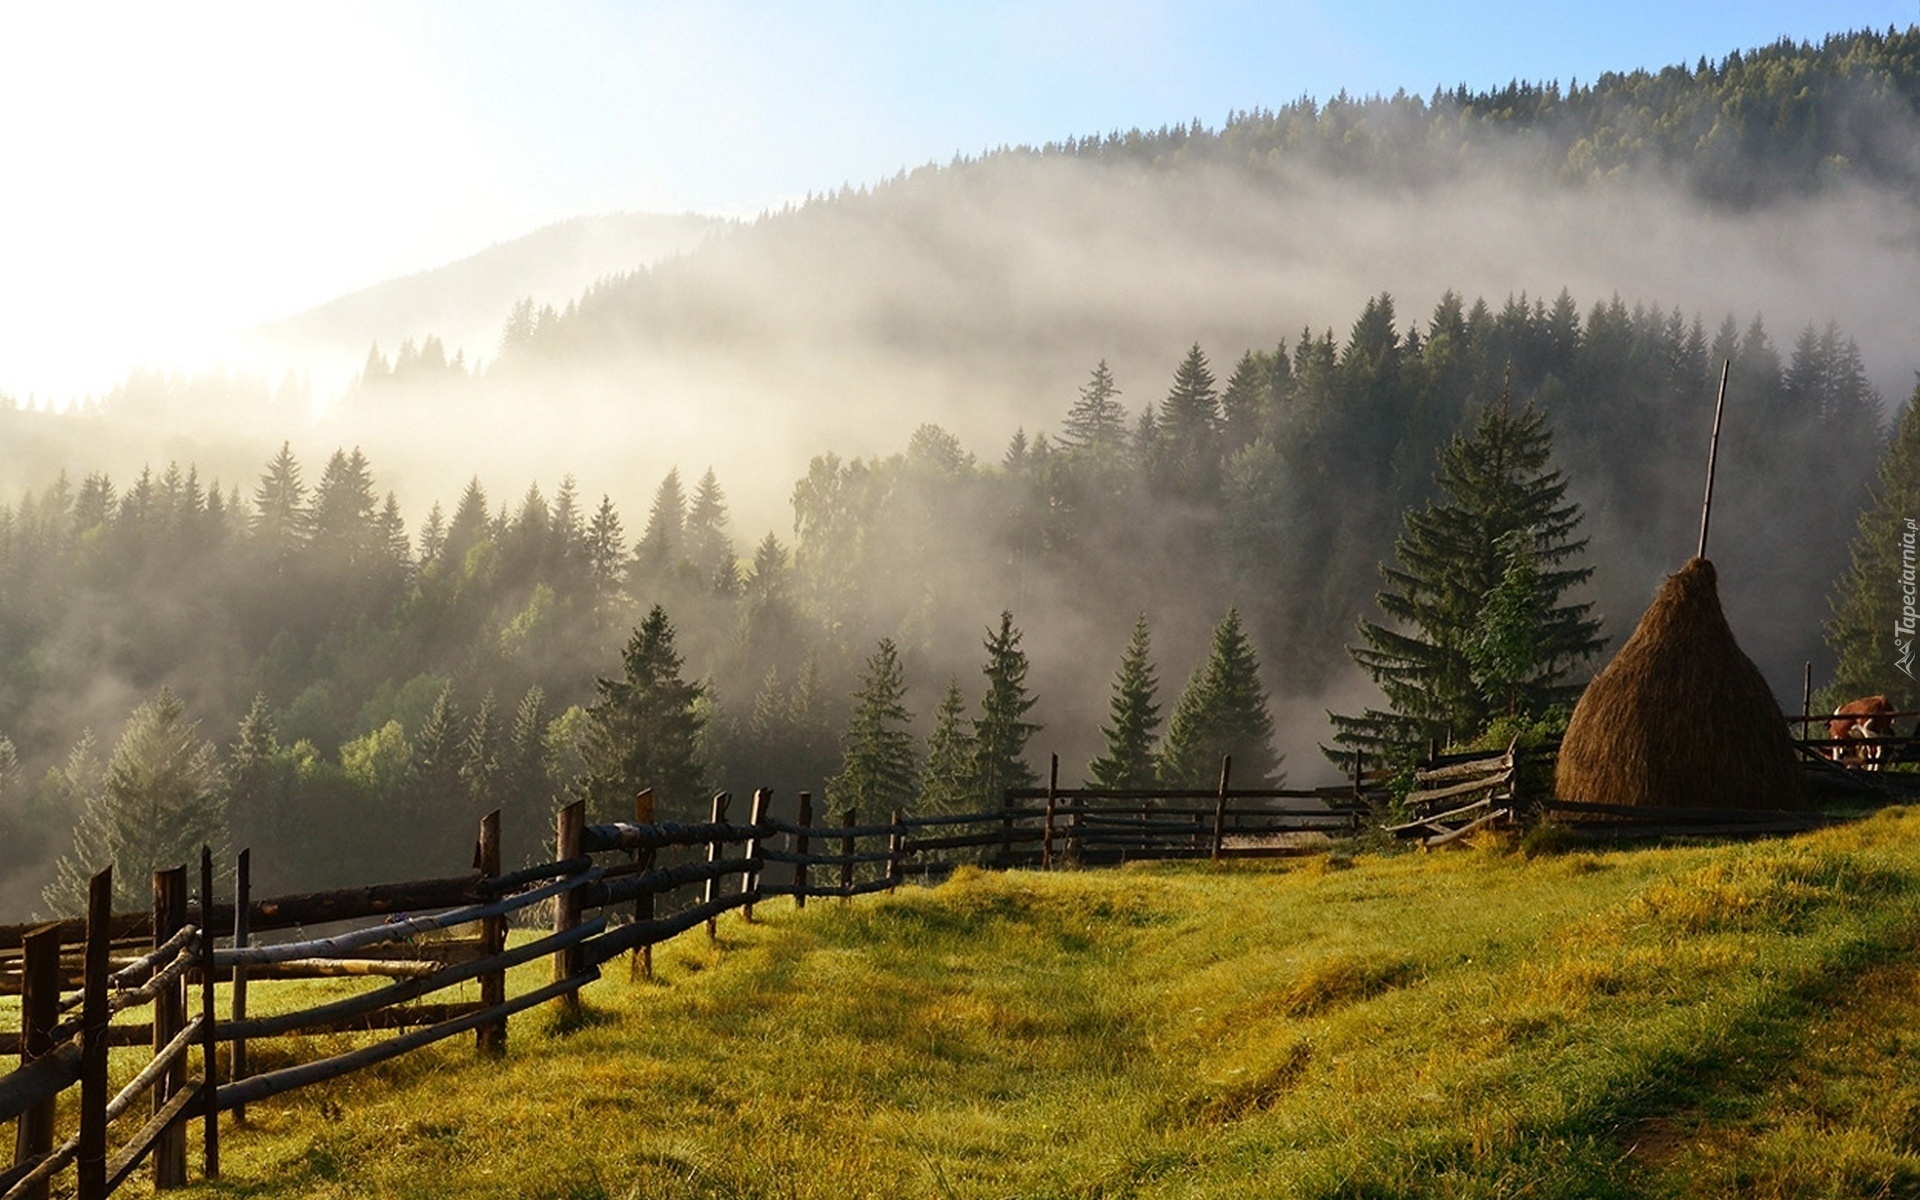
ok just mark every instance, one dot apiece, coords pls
pixel 480 754
pixel 1001 731
pixel 280 519
pixel 526 780
pixel 662 545
pixel 159 800
pixel 1186 454
pixel 1222 711
pixel 435 799
pixel 1097 420
pixel 878 772
pixel 1134 712
pixel 643 730
pixel 708 547
pixel 947 783
pixel 256 781
pixel 1873 637
pixel 1494 483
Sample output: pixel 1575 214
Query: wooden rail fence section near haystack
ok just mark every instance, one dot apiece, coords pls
pixel 612 889
pixel 1457 795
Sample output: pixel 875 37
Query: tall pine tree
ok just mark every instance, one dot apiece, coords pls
pixel 1135 713
pixel 644 731
pixel 1876 645
pixel 1001 731
pixel 878 772
pixel 1222 711
pixel 1495 483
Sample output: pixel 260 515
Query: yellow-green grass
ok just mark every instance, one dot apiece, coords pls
pixel 1682 1021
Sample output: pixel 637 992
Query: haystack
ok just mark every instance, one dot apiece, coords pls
pixel 1680 718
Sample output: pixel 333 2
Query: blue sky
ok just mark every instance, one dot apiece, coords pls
pixel 178 171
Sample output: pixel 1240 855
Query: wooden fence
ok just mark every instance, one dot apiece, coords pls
pixel 611 890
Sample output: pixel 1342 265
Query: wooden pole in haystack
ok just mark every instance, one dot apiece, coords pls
pixel 1713 455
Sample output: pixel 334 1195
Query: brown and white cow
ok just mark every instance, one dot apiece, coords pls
pixel 1869 717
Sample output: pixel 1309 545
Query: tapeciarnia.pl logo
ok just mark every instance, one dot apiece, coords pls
pixel 1903 629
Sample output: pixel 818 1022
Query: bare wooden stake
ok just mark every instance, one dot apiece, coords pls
pixel 91 1161
pixel 39 1013
pixel 1713 455
pixel 716 850
pixel 209 1030
pixel 491 1039
pixel 1806 702
pixel 1046 827
pixel 242 932
pixel 847 820
pixel 169 1018
pixel 803 820
pixel 567 961
pixel 640 963
pixel 750 878
pixel 1220 808
pixel 896 846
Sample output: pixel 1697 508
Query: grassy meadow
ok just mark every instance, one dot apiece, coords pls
pixel 1691 1021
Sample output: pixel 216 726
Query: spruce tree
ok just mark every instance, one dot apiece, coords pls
pixel 435 799
pixel 661 546
pixel 159 800
pixel 708 547
pixel 526 780
pixel 256 780
pixel 1135 711
pixel 480 757
pixel 1001 731
pixel 878 772
pixel 946 785
pixel 1222 711
pixel 279 519
pixel 1873 639
pixel 1097 420
pixel 644 731
pixel 1496 482
pixel 1186 449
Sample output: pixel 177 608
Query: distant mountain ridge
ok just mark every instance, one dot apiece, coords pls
pixel 465 303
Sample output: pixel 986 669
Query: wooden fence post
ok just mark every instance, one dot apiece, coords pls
pixel 1220 808
pixel 1046 827
pixel 39 1013
pixel 715 849
pixel 242 933
pixel 803 819
pixel 568 825
pixel 846 849
pixel 169 1018
pixel 91 1161
pixel 1006 829
pixel 490 1039
pixel 750 878
pixel 1806 702
pixel 209 1032
pixel 640 964
pixel 896 842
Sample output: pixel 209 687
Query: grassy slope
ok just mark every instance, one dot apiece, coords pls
pixel 1697 1021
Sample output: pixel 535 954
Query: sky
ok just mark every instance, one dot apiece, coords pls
pixel 176 173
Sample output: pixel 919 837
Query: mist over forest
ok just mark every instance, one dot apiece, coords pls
pixel 868 417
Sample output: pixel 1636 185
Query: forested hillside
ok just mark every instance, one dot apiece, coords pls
pixel 994 413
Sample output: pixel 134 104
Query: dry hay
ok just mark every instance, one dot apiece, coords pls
pixel 1681 718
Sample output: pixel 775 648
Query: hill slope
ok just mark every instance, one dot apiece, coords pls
pixel 1664 1022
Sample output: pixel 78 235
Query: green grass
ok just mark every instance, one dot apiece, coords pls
pixel 1728 1020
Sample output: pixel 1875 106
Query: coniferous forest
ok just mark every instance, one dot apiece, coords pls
pixel 1160 566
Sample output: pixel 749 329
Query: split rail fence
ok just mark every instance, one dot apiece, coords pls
pixel 611 890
